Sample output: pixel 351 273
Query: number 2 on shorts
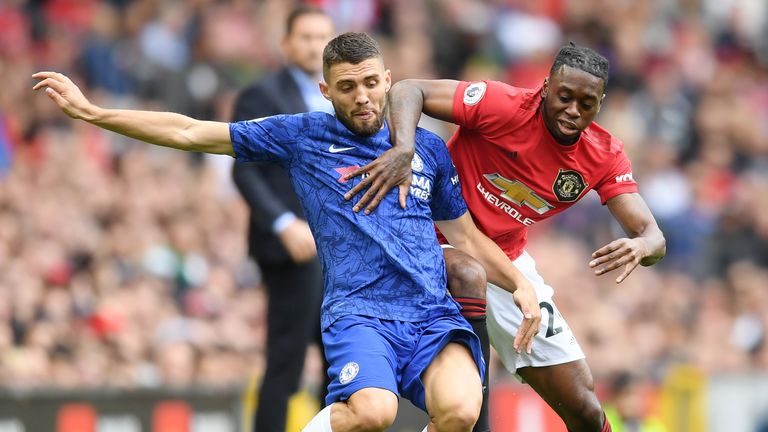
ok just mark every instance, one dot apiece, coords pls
pixel 551 331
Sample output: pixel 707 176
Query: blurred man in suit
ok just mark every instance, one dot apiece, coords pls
pixel 279 238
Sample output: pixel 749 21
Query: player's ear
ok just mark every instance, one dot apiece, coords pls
pixel 545 88
pixel 387 80
pixel 324 90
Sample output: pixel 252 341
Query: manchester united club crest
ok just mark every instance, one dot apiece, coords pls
pixel 568 186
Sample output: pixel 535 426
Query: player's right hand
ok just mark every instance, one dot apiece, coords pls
pixel 526 299
pixel 65 93
pixel 298 241
pixel 392 168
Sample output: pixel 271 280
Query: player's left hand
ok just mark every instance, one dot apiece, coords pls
pixel 65 93
pixel 392 168
pixel 526 299
pixel 622 252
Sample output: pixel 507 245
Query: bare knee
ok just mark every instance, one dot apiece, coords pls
pixel 590 416
pixel 586 414
pixel 453 390
pixel 570 390
pixel 372 409
pixel 459 416
pixel 466 276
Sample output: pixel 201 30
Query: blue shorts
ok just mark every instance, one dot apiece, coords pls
pixel 371 352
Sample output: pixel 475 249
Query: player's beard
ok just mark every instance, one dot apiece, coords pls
pixel 365 130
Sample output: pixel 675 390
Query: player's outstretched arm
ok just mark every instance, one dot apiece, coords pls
pixel 159 128
pixel 645 246
pixel 462 234
pixel 407 99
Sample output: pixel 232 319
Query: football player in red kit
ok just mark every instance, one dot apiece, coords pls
pixel 522 156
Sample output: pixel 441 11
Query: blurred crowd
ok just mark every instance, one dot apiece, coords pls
pixel 124 265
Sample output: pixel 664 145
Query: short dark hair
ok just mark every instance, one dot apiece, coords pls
pixel 582 58
pixel 351 48
pixel 299 12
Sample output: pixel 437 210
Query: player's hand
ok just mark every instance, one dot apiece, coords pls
pixel 526 300
pixel 622 252
pixel 392 168
pixel 298 241
pixel 65 93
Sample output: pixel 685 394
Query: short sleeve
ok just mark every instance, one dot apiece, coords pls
pixel 486 106
pixel 618 180
pixel 447 202
pixel 271 139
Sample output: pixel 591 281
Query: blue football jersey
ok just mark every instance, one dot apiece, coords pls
pixel 388 264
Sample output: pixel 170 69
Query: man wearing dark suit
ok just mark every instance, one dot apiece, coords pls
pixel 279 237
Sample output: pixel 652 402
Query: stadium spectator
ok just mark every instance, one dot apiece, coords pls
pixel 628 408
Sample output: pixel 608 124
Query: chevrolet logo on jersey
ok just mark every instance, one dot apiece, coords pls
pixel 519 193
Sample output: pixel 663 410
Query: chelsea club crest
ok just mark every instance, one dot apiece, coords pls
pixel 348 372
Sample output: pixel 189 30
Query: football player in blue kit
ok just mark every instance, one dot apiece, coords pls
pixel 389 326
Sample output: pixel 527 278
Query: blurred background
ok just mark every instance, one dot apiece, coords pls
pixel 128 302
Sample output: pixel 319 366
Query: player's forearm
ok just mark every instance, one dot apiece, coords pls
pixel 499 269
pixel 631 211
pixel 405 104
pixel 655 244
pixel 164 129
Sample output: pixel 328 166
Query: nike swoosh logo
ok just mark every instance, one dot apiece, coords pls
pixel 334 149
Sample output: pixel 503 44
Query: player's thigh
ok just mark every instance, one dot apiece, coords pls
pixel 432 339
pixel 568 388
pixel 360 356
pixel 452 383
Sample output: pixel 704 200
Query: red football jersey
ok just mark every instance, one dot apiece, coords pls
pixel 514 174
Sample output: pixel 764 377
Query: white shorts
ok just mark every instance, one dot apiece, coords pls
pixel 554 344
